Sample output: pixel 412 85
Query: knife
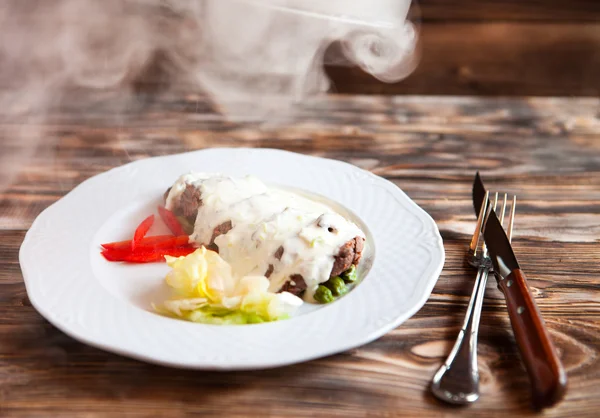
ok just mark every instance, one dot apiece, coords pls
pixel 546 373
pixel 478 194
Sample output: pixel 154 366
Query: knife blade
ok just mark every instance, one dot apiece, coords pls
pixel 499 248
pixel 478 193
pixel 546 373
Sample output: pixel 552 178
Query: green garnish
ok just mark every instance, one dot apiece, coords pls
pixel 316 241
pixel 350 274
pixel 323 295
pixel 337 286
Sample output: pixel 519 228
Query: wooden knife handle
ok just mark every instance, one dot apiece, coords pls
pixel 546 373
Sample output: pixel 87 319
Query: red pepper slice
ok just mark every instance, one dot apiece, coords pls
pixel 145 241
pixel 142 230
pixel 146 256
pixel 149 243
pixel 171 221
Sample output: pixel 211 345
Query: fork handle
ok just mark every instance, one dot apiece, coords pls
pixel 457 380
pixel 546 373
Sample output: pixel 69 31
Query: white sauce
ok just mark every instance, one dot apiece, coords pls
pixel 264 219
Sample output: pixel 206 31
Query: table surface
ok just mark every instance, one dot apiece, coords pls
pixel 547 151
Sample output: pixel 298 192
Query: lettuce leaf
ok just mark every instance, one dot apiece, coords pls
pixel 207 291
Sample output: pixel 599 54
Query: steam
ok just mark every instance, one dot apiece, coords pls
pixel 265 52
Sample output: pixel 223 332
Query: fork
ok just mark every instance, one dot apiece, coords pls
pixel 457 380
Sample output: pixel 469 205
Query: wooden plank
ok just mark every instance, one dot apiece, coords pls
pixel 507 10
pixel 510 59
pixel 406 138
pixel 544 150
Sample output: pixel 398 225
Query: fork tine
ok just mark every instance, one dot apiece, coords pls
pixel 478 228
pixel 511 219
pixel 503 209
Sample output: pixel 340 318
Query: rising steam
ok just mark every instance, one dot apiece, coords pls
pixel 269 52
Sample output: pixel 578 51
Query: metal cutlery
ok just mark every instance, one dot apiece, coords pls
pixel 457 380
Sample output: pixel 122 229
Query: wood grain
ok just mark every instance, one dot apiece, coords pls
pixel 493 58
pixel 544 150
pixel 508 10
pixel 488 47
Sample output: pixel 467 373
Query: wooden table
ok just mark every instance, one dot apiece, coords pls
pixel 547 151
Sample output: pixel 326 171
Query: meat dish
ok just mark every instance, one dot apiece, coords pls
pixel 296 242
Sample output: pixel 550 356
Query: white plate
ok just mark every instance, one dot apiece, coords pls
pixel 107 305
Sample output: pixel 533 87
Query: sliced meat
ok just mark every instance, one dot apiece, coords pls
pixel 349 254
pixel 269 271
pixel 344 258
pixel 358 249
pixel 191 200
pixel 279 253
pixel 296 285
pixel 188 203
pixel 224 228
